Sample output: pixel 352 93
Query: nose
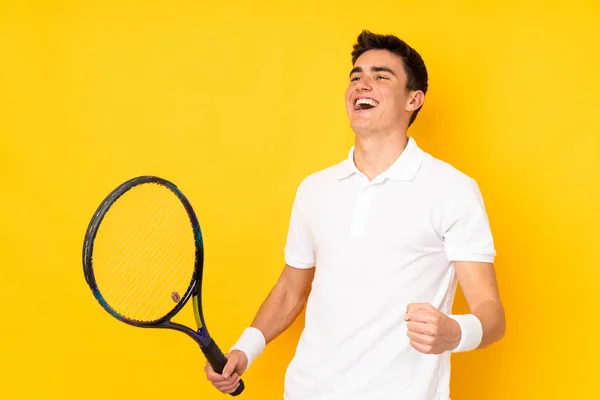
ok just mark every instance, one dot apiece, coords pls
pixel 363 85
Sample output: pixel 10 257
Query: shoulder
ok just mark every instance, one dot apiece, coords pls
pixel 446 187
pixel 317 181
pixel 441 176
pixel 453 195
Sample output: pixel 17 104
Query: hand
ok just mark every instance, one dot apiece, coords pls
pixel 228 381
pixel 430 330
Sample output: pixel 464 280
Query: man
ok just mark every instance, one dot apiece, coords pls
pixel 375 248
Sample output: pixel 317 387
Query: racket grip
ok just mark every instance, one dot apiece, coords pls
pixel 217 360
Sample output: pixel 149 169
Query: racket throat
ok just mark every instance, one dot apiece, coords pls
pixel 201 336
pixel 202 332
pixel 199 322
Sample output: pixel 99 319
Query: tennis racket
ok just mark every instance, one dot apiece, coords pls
pixel 143 258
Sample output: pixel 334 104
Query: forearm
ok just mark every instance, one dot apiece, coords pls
pixel 479 285
pixel 491 315
pixel 279 310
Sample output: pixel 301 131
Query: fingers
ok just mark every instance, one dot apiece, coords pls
pixel 227 385
pixel 421 312
pixel 423 348
pixel 222 383
pixel 229 368
pixel 420 338
pixel 230 387
pixel 228 381
pixel 420 316
pixel 419 306
pixel 422 327
pixel 213 376
pixel 422 342
pixel 427 329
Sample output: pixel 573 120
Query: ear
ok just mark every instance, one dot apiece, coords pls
pixel 415 100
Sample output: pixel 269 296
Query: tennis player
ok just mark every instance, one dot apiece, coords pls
pixel 376 247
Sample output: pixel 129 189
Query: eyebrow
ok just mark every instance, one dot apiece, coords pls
pixel 373 69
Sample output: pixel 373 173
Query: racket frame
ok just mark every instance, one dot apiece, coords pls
pixel 194 291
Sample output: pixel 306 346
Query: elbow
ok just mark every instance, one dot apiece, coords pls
pixel 494 324
pixel 500 326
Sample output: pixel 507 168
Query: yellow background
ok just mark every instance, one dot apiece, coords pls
pixel 236 102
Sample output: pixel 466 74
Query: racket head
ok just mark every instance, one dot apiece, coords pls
pixel 194 235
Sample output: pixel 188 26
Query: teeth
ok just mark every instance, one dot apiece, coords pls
pixel 370 102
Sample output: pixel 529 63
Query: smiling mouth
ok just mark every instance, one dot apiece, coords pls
pixel 365 104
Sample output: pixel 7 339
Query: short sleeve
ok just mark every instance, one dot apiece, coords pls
pixel 467 233
pixel 299 251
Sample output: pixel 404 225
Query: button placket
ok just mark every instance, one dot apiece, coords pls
pixel 361 210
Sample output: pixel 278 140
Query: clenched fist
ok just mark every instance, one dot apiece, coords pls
pixel 430 330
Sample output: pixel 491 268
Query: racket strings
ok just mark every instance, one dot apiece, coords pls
pixel 120 240
pixel 152 289
pixel 120 253
pixel 127 237
pixel 144 253
pixel 138 253
pixel 147 287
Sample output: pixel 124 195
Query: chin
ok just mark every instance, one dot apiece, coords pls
pixel 361 122
pixel 362 128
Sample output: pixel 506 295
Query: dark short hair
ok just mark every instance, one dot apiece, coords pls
pixel 414 66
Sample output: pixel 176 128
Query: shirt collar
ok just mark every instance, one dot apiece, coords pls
pixel 403 169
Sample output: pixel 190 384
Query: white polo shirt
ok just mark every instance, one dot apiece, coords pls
pixel 378 246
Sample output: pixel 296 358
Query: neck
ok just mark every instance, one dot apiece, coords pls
pixel 375 154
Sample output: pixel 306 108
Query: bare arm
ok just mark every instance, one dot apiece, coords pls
pixel 279 310
pixel 479 285
pixel 284 303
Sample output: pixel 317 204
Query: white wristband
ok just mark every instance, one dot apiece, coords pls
pixel 252 343
pixel 471 332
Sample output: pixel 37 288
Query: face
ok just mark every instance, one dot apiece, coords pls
pixel 377 99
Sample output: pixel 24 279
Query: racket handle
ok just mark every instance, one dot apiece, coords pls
pixel 217 360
